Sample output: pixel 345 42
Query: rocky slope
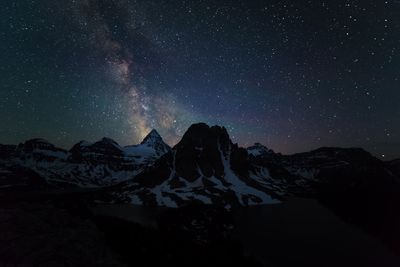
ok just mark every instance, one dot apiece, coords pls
pixel 41 234
pixel 205 166
pixel 98 164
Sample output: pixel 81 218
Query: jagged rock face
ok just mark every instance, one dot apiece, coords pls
pixel 39 150
pixel 104 146
pixel 87 164
pixel 148 151
pixel 329 170
pixel 321 171
pixel 198 169
pixel 155 141
pixel 205 166
pixel 200 150
pixel 105 151
pixel 37 144
pixel 197 155
pixel 258 150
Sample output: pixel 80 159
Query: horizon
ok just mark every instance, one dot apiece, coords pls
pixel 122 145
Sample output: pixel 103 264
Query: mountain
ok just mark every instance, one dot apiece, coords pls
pixel 324 171
pixel 206 167
pixel 104 151
pixel 151 148
pixel 259 150
pixel 102 163
pixel 357 186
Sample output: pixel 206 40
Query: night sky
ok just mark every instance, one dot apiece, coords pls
pixel 293 75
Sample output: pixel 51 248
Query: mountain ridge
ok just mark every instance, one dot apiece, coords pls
pixel 86 164
pixel 205 163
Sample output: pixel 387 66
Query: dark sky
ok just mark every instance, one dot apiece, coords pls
pixel 293 75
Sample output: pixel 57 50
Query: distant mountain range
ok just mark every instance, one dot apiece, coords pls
pixel 205 166
pixel 89 165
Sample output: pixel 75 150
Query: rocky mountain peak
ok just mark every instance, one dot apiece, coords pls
pixel 201 136
pixel 200 152
pixel 205 162
pixel 108 142
pixel 259 150
pixel 103 150
pixel 152 137
pixel 36 143
pixel 154 141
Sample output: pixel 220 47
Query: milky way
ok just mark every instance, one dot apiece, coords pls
pixel 116 29
pixel 294 75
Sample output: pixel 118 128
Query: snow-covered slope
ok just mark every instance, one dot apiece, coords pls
pixel 98 164
pixel 205 166
pixel 151 148
pixel 321 171
pixel 202 167
pixel 259 150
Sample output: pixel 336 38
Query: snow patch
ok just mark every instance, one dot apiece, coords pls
pixel 240 187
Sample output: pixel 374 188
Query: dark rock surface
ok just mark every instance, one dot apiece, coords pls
pixel 38 234
pixel 302 232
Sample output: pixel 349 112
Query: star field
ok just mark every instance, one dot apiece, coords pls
pixel 293 75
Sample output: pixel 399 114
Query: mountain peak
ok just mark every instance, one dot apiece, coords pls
pixel 154 140
pixel 107 142
pixel 37 143
pixel 259 149
pixel 200 132
pixel 84 143
pixel 152 137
